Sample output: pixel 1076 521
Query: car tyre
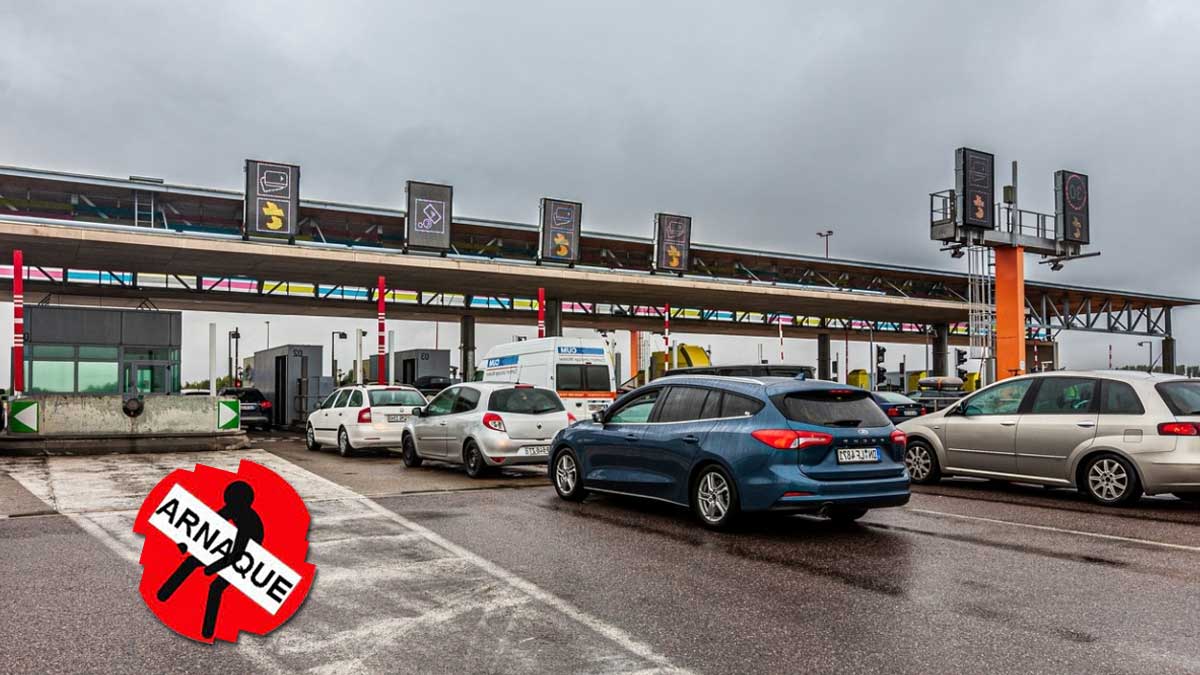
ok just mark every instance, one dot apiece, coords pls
pixel 344 447
pixel 1110 480
pixel 567 476
pixel 715 498
pixel 922 463
pixel 310 439
pixel 846 515
pixel 473 459
pixel 409 453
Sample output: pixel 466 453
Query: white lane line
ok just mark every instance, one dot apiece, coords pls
pixel 1060 530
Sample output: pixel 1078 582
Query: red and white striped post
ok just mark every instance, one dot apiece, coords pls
pixel 381 309
pixel 541 312
pixel 667 337
pixel 18 353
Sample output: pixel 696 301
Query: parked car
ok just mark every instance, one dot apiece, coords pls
pixel 256 409
pixel 728 445
pixel 1112 434
pixel 898 406
pixel 486 424
pixel 362 416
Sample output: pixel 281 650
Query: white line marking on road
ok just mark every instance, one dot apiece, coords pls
pixel 1048 528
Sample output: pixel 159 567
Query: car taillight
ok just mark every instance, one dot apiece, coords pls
pixel 364 416
pixel 1178 429
pixel 923 410
pixel 899 437
pixel 265 405
pixel 571 419
pixel 893 412
pixel 787 439
pixel 493 422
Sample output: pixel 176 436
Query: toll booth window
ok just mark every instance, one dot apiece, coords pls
pixel 87 353
pixel 53 352
pixel 98 377
pixel 52 377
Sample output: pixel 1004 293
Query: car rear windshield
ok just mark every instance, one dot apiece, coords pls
pixel 385 397
pixel 572 377
pixel 250 396
pixel 525 401
pixel 1182 397
pixel 832 408
pixel 893 397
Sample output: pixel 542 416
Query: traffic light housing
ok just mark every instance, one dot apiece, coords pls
pixel 880 376
pixel 960 357
pixel 962 374
pixel 879 354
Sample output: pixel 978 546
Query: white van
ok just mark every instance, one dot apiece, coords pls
pixel 579 369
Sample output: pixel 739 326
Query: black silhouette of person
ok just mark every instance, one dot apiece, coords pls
pixel 238 498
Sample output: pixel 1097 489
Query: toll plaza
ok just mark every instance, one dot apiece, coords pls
pixel 141 242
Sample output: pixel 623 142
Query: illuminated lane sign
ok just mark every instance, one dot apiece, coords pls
pixel 975 181
pixel 672 242
pixel 561 222
pixel 430 212
pixel 272 202
pixel 1071 207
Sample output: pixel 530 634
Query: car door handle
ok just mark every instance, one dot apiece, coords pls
pixel 1008 423
pixel 1085 425
pixel 631 437
pixel 691 438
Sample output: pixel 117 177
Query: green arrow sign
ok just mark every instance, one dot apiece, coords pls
pixel 229 415
pixel 23 416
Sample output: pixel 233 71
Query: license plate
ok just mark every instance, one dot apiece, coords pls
pixel 910 413
pixel 248 406
pixel 535 450
pixel 397 418
pixel 857 455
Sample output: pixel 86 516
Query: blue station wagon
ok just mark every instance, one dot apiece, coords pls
pixel 726 445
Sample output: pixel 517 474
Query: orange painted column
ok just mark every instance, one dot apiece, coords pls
pixel 1010 311
pixel 635 351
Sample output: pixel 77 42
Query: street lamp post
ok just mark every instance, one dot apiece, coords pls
pixel 268 334
pixel 232 351
pixel 358 366
pixel 826 235
pixel 336 335
pixel 1149 354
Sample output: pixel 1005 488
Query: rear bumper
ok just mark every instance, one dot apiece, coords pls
pixel 1175 471
pixel 255 419
pixel 501 450
pixel 767 493
pixel 817 504
pixel 370 436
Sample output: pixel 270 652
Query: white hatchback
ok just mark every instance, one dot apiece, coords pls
pixel 363 416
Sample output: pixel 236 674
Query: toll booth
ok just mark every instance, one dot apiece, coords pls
pixel 913 380
pixel 411 364
pixel 1041 355
pixel 291 378
pixel 858 378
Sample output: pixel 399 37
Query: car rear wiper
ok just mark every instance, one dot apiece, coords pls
pixel 845 423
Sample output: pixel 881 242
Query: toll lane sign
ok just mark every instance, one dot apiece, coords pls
pixel 272 198
pixel 1071 207
pixel 23 416
pixel 672 242
pixel 429 216
pixel 560 230
pixel 975 182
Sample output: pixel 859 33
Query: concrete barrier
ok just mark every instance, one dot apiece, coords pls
pixel 78 424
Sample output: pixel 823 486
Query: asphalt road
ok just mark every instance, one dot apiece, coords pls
pixel 427 571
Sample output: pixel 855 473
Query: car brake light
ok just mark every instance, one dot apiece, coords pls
pixel 923 410
pixel 523 386
pixel 893 412
pixel 493 421
pixel 364 416
pixel 571 419
pixel 787 439
pixel 1178 429
pixel 265 405
pixel 899 437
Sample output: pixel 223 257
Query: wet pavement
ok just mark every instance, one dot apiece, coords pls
pixel 427 571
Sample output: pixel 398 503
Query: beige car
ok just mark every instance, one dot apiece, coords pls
pixel 1113 434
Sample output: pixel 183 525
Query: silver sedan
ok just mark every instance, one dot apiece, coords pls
pixel 1115 435
pixel 485 424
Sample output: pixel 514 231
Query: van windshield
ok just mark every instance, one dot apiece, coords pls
pixel 832 408
pixel 525 401
pixel 572 377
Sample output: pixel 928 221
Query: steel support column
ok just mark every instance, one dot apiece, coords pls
pixel 466 347
pixel 941 349
pixel 823 369
pixel 553 317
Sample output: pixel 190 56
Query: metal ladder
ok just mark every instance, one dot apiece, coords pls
pixel 143 208
pixel 981 302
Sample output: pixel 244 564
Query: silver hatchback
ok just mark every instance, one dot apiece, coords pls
pixel 484 425
pixel 1113 434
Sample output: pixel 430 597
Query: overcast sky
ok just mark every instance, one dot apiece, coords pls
pixel 764 121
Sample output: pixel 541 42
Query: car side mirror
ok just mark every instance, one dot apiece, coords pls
pixel 598 417
pixel 417 411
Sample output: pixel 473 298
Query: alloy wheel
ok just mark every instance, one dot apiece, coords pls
pixel 1108 480
pixel 918 461
pixel 565 473
pixel 712 495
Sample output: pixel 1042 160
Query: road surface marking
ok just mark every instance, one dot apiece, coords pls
pixel 1048 528
pixel 384 583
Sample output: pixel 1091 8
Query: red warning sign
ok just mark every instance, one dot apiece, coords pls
pixel 224 552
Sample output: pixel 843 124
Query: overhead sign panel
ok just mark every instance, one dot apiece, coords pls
pixel 430 211
pixel 672 242
pixel 975 183
pixel 1071 207
pixel 272 202
pixel 560 230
